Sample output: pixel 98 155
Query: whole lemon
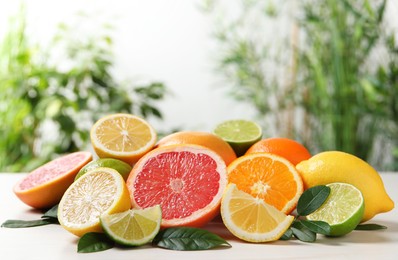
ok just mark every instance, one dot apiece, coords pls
pixel 335 166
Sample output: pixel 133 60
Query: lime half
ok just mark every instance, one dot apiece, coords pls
pixel 134 227
pixel 240 134
pixel 122 167
pixel 343 209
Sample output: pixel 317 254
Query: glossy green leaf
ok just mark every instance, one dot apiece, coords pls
pixel 52 213
pixel 287 235
pixel 94 242
pixel 302 233
pixel 319 227
pixel 12 223
pixel 370 227
pixel 186 238
pixel 312 199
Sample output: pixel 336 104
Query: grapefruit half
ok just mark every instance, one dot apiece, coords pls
pixel 187 181
pixel 43 187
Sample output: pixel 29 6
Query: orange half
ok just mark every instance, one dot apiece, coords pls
pixel 267 176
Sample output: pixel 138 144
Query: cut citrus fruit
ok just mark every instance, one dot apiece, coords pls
pixel 122 167
pixel 269 177
pixel 44 186
pixel 285 147
pixel 134 227
pixel 250 218
pixel 240 134
pixel 334 166
pixel 343 209
pixel 122 136
pixel 99 191
pixel 209 140
pixel 187 181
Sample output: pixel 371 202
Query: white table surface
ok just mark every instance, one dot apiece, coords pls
pixel 53 242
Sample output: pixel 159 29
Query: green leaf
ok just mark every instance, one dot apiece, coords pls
pixel 312 199
pixel 302 233
pixel 12 223
pixel 186 238
pixel 94 242
pixel 320 227
pixel 287 235
pixel 52 213
pixel 370 227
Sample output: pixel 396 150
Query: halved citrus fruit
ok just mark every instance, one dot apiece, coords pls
pixel 43 187
pixel 133 227
pixel 250 218
pixel 122 136
pixel 290 149
pixel 187 181
pixel 239 133
pixel 343 209
pixel 209 140
pixel 269 177
pixel 99 191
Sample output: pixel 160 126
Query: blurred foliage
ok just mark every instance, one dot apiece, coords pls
pixel 51 96
pixel 321 72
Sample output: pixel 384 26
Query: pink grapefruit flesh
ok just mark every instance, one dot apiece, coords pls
pixel 44 186
pixel 186 180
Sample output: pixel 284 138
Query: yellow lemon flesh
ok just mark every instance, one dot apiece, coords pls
pixel 99 191
pixel 334 166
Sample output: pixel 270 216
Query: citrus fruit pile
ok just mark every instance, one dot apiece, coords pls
pixel 139 185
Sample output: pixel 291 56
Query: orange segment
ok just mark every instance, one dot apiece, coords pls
pixel 269 177
pixel 122 136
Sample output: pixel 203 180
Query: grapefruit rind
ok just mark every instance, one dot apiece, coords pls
pixel 48 193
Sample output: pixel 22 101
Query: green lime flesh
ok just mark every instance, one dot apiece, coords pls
pixel 240 134
pixel 343 209
pixel 122 167
pixel 134 227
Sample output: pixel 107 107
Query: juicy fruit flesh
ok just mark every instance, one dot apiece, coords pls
pixel 238 131
pixel 177 182
pixel 133 227
pixel 87 201
pixel 343 209
pixel 341 204
pixel 123 134
pixel 251 219
pixel 51 170
pixel 250 215
pixel 267 179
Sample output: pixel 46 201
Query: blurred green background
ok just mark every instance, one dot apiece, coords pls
pixel 331 82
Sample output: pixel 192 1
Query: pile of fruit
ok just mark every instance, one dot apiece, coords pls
pixel 140 186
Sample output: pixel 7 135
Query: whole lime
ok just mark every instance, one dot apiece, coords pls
pixel 122 167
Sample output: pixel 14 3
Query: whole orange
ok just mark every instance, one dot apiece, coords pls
pixel 208 140
pixel 290 149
